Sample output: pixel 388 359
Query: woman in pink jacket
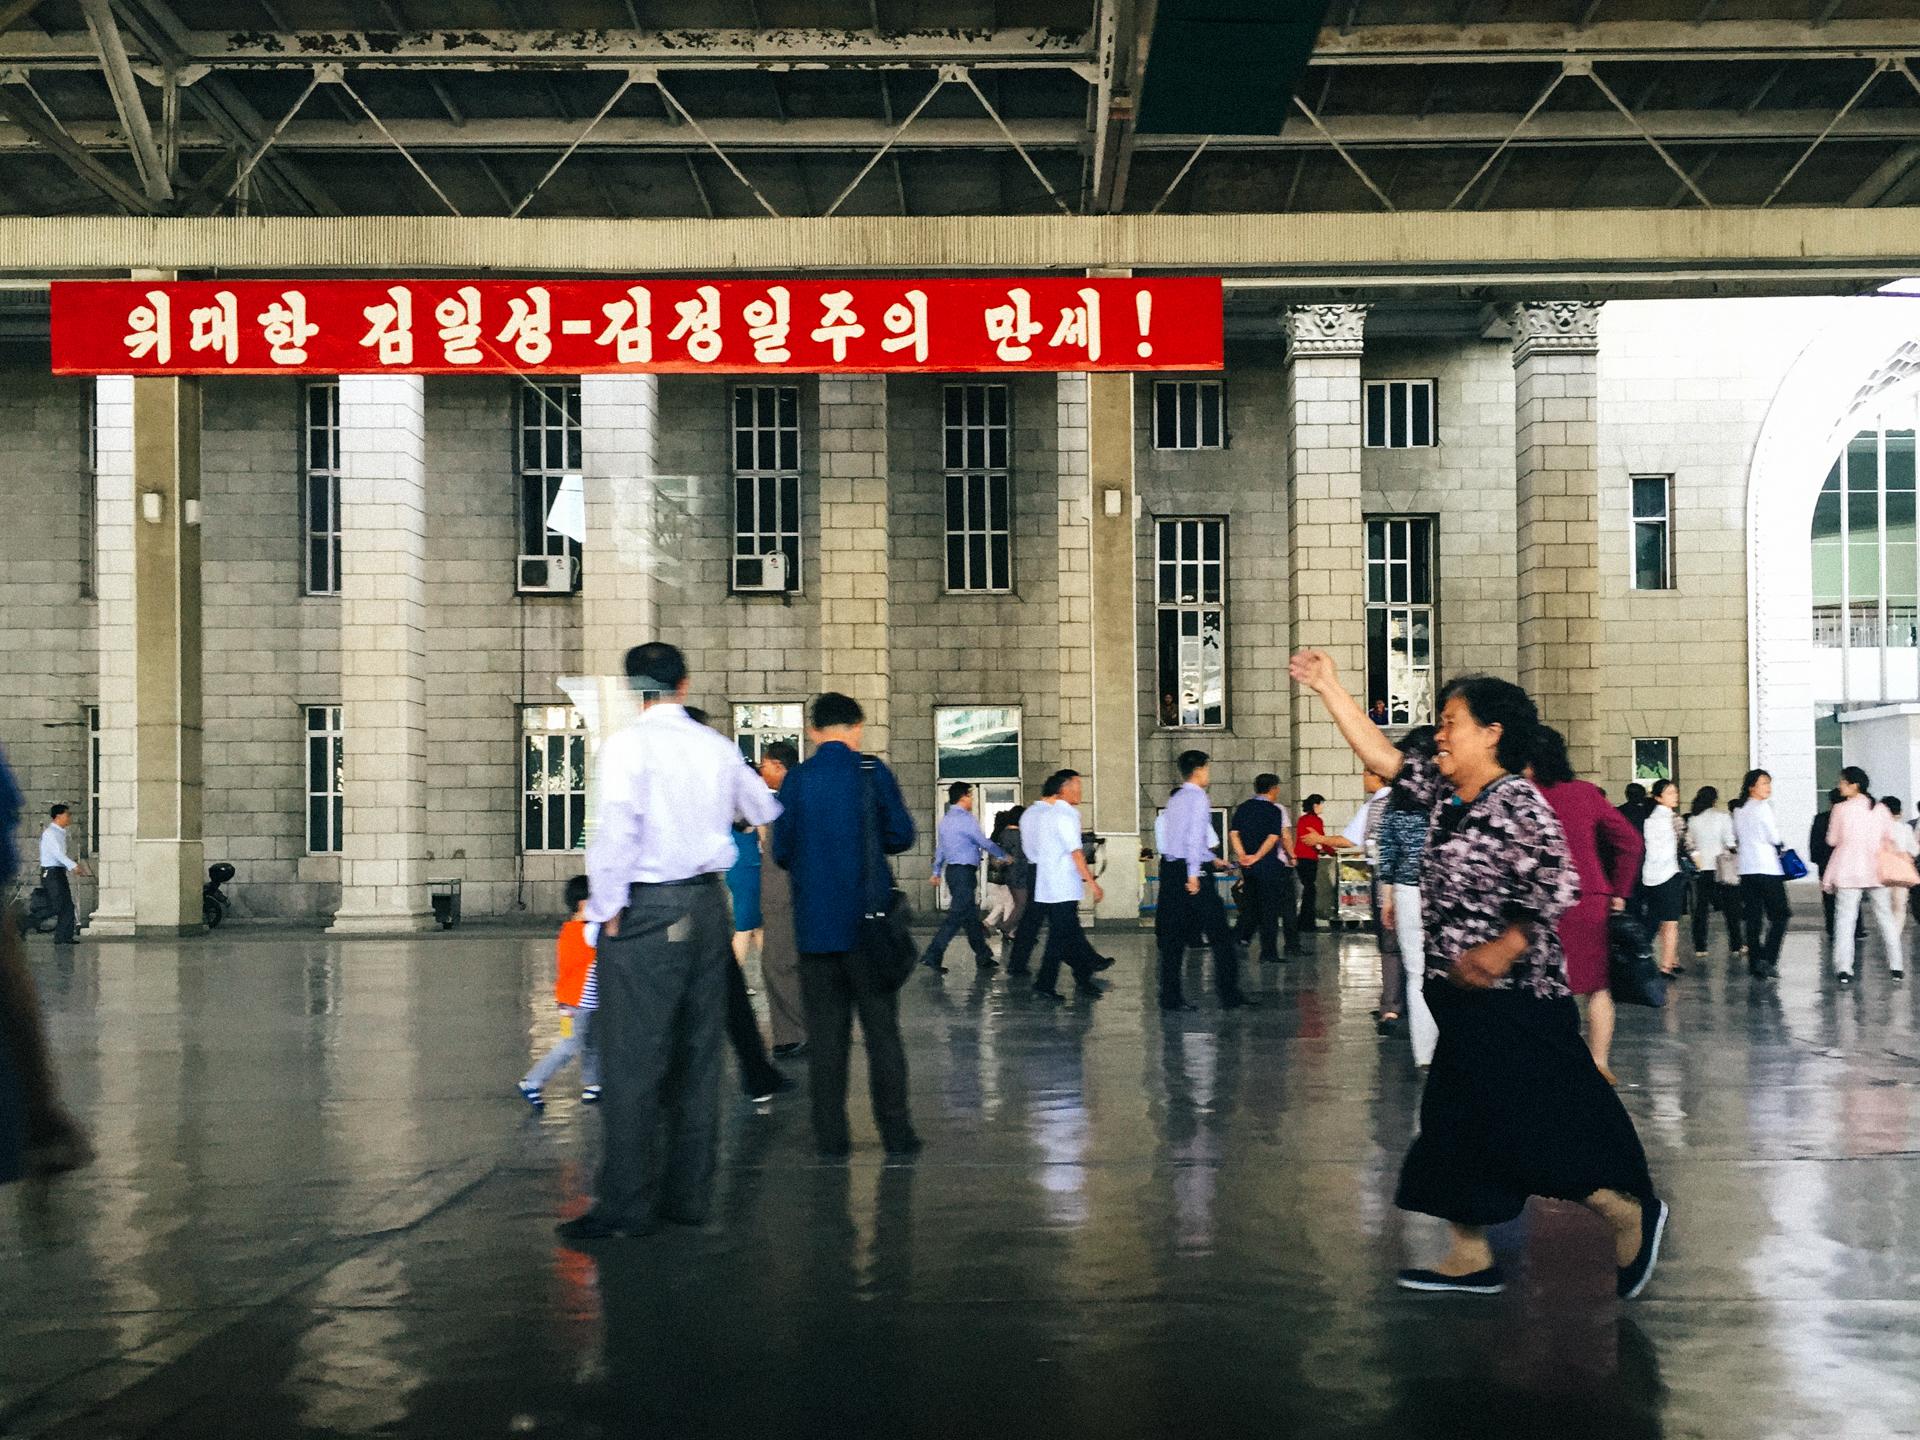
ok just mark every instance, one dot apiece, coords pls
pixel 1857 831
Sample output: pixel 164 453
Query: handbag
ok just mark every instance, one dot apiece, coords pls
pixel 1897 868
pixel 1633 975
pixel 1726 868
pixel 1791 865
pixel 884 953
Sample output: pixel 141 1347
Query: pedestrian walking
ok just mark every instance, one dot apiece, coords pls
pixel 1189 909
pixel 577 994
pixel 957 848
pixel 1716 880
pixel 1763 882
pixel 1400 842
pixel 779 955
pixel 1062 879
pixel 1662 892
pixel 1607 851
pixel 1858 829
pixel 1261 833
pixel 843 814
pixel 1514 1105
pixel 670 790
pixel 56 868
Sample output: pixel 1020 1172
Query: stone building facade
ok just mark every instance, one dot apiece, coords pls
pixel 1516 450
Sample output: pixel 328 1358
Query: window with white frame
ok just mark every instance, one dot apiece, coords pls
pixel 1400 415
pixel 981 745
pixel 1400 620
pixel 766 483
pixel 320 466
pixel 549 457
pixel 1654 759
pixel 93 779
pixel 553 779
pixel 757 724
pixel 326 779
pixel 979 439
pixel 1191 622
pixel 1187 415
pixel 1653 532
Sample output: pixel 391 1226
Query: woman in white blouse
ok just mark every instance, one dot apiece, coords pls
pixel 1763 885
pixel 1716 885
pixel 1663 889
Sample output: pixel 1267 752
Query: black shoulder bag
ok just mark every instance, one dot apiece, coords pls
pixel 884 952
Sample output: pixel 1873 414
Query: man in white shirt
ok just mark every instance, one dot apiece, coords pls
pixel 1036 818
pixel 670 790
pixel 56 866
pixel 1061 880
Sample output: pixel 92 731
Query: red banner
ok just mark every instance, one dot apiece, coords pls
pixel 570 327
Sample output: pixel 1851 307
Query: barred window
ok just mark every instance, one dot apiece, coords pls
pixel 1191 598
pixel 1400 415
pixel 1186 415
pixel 554 779
pixel 549 458
pixel 326 780
pixel 766 485
pixel 979 488
pixel 320 515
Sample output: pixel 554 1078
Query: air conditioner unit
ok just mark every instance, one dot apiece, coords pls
pixel 761 574
pixel 547 574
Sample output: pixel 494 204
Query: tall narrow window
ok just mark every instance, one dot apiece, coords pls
pixel 89 510
pixel 1866 575
pixel 1653 759
pixel 549 459
pixel 326 780
pixel 554 776
pixel 1191 599
pixel 93 779
pixel 1652 532
pixel 766 488
pixel 979 488
pixel 980 744
pixel 1400 620
pixel 320 516
pixel 758 725
pixel 1400 415
pixel 1186 415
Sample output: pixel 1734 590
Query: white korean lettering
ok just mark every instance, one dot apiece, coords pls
pixel 286 329
pixel 216 327
pixel 459 319
pixel 838 324
pixel 1012 325
pixel 906 322
pixel 530 325
pixel 1080 324
pixel 629 326
pixel 700 323
pixel 391 327
pixel 150 328
pixel 768 322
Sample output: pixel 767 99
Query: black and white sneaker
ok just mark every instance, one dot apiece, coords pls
pixel 1653 1226
pixel 1844 979
pixel 1481 1282
pixel 531 1094
pixel 590 1095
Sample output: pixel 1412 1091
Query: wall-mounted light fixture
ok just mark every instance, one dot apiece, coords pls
pixel 151 502
pixel 1110 503
pixel 190 512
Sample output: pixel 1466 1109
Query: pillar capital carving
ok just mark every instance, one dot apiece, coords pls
pixel 1561 327
pixel 1324 329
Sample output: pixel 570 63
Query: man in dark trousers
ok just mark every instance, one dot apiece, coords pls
pixel 670 790
pixel 1189 905
pixel 1263 845
pixel 957 849
pixel 56 866
pixel 841 811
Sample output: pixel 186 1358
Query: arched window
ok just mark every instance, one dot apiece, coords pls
pixel 1866 569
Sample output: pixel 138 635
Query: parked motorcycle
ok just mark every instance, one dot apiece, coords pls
pixel 213 901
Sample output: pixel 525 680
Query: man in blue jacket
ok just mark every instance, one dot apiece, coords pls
pixel 831 840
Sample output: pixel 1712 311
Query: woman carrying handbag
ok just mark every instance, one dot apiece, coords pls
pixel 1861 833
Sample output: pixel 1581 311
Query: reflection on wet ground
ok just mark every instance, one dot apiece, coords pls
pixel 321 1210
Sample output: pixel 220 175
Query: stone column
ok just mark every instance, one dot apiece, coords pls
pixel 619 448
pixel 1326 533
pixel 1112 802
pixel 1556 351
pixel 148 574
pixel 1074 565
pixel 856 656
pixel 383 654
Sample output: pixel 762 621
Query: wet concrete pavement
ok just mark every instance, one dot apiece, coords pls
pixel 319 1209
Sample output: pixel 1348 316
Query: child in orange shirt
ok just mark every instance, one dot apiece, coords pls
pixel 576 992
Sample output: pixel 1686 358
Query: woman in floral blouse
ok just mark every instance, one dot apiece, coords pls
pixel 1514 1105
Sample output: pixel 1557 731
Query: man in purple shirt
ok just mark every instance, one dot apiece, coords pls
pixel 957 847
pixel 1189 907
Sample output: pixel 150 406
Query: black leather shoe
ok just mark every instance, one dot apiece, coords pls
pixel 986 962
pixel 597 1227
pixel 1105 962
pixel 1653 1228
pixel 933 965
pixel 1049 994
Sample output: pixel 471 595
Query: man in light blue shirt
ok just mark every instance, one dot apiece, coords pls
pixel 957 847
pixel 1189 906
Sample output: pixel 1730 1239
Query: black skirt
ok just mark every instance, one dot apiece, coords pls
pixel 1514 1107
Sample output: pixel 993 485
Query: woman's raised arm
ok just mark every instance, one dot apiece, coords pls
pixel 1315 670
